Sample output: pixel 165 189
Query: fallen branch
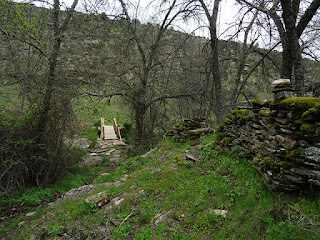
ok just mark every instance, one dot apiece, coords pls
pixel 127 217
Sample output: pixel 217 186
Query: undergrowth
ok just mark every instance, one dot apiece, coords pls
pixel 189 196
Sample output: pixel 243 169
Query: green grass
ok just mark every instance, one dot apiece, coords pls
pixel 190 192
pixel 91 112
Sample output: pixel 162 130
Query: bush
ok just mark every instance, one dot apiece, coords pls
pixel 25 161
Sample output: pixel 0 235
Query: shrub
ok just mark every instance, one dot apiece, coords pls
pixel 26 161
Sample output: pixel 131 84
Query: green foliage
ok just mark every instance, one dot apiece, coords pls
pixel 91 112
pixel 34 196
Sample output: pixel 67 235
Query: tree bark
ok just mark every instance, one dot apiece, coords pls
pixel 53 61
pixel 215 67
pixel 292 55
pixel 139 118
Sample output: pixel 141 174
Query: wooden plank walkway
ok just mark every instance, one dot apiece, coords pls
pixel 110 135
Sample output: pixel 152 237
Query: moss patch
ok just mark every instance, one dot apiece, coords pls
pixel 300 103
pixel 258 103
pixel 241 115
pixel 265 112
pixel 295 154
pixel 308 128
pixel 312 113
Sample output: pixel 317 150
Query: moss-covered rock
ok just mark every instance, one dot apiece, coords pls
pixel 258 103
pixel 312 113
pixel 265 112
pixel 284 139
pixel 227 121
pixel 179 127
pixel 300 103
pixel 240 115
pixel 308 128
pixel 295 154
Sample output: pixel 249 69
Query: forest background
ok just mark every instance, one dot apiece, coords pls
pixel 57 61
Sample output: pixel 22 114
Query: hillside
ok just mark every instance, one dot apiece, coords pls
pixel 150 78
pixel 175 191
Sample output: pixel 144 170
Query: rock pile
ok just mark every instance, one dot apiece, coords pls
pixel 189 129
pixel 282 89
pixel 283 138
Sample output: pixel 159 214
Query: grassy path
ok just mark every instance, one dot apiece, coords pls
pixel 176 191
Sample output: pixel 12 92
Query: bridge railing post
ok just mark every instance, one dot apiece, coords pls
pixel 116 128
pixel 102 131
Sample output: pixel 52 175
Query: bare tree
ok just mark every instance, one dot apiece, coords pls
pixel 290 20
pixel 145 76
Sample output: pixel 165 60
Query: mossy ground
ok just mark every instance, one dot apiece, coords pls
pixel 190 192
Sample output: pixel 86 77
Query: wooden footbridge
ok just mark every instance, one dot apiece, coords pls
pixel 110 135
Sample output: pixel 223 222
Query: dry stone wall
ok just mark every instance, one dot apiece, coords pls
pixel 282 137
pixel 189 129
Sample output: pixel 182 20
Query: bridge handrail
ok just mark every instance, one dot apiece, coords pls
pixel 102 131
pixel 116 128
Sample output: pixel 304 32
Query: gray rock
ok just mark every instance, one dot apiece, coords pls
pixel 286 142
pixel 314 182
pixel 161 217
pixel 281 82
pixel 191 157
pixel 256 126
pixel 78 192
pixel 78 142
pixel 91 160
pixel 219 212
pixel 30 214
pixel 312 153
pixel 312 174
pixel 99 199
pixel 116 202
pixel 114 159
pixel 21 224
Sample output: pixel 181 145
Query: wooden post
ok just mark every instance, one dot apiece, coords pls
pixel 102 131
pixel 116 129
pixel 118 119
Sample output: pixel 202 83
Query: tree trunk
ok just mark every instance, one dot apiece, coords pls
pixel 219 106
pixel 298 68
pixel 140 107
pixel 291 48
pixel 53 60
pixel 286 67
pixel 139 118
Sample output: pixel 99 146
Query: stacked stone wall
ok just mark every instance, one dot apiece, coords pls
pixel 282 138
